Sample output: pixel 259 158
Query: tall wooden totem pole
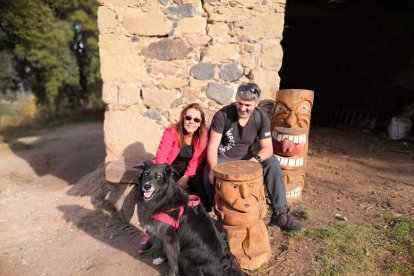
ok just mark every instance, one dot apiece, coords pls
pixel 290 132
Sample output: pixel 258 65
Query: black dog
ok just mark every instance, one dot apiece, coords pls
pixel 195 247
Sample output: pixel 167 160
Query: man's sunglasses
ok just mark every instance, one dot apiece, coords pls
pixel 250 89
pixel 189 118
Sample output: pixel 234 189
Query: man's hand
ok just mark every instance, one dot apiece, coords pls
pixel 182 182
pixel 253 159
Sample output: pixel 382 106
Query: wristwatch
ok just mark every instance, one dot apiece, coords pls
pixel 258 158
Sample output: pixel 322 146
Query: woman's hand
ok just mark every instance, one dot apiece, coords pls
pixel 211 177
pixel 182 182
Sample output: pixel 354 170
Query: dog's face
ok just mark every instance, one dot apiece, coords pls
pixel 154 178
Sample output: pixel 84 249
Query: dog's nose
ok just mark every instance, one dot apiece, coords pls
pixel 147 186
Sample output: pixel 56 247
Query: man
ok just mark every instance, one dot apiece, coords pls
pixel 234 129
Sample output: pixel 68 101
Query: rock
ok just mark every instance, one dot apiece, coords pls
pixel 186 10
pixel 153 114
pixel 203 71
pixel 341 217
pixel 167 49
pixel 231 72
pixel 219 93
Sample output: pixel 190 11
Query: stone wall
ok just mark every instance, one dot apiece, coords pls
pixel 158 56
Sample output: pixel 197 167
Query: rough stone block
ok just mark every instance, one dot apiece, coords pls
pixel 191 2
pixel 167 49
pixel 268 81
pixel 110 93
pixel 198 83
pixel 231 72
pixel 193 25
pixel 107 20
pixel 172 82
pixel 174 114
pixel 131 135
pixel 221 53
pixel 120 61
pixel 203 71
pixel 158 98
pixel 225 13
pixel 218 29
pixel 146 24
pixel 117 2
pixel 272 54
pixel 219 93
pixel 129 94
pixel 191 94
pixel 153 114
pixel 259 27
pixel 165 68
pixel 198 39
pixel 247 60
pixel 181 11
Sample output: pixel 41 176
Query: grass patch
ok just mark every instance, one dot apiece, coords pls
pixel 9 135
pixel 18 145
pixel 31 127
pixel 354 249
pixel 344 247
pixel 303 214
pixel 399 232
pixel 15 146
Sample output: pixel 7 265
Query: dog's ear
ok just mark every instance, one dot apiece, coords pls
pixel 141 166
pixel 172 172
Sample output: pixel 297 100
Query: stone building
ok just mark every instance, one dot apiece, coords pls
pixel 159 55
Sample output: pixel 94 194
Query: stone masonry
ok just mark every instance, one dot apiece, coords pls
pixel 159 55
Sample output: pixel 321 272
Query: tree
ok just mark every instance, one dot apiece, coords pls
pixel 40 35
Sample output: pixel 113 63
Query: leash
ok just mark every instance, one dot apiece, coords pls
pixel 163 217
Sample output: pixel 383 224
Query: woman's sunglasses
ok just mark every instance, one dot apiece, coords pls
pixel 189 118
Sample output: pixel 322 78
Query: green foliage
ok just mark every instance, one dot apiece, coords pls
pixel 353 249
pixel 344 247
pixel 400 236
pixel 41 123
pixel 303 214
pixel 8 76
pixel 39 34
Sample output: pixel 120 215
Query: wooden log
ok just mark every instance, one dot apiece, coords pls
pixel 122 178
pixel 238 170
pixel 120 171
pixel 240 205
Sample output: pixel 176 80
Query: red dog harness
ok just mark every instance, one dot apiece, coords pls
pixel 193 200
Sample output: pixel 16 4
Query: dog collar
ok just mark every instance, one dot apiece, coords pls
pixel 163 217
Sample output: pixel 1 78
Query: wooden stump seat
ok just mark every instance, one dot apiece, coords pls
pixel 240 205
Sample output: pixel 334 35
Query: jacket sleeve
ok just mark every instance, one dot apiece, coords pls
pixel 198 156
pixel 169 138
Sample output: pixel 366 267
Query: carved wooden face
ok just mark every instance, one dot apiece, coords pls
pixel 290 130
pixel 290 126
pixel 295 182
pixel 241 195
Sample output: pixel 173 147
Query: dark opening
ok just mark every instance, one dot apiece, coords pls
pixel 358 57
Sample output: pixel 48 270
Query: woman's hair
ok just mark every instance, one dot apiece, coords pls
pixel 199 134
pixel 249 92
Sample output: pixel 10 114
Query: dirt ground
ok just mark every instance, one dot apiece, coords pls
pixel 50 223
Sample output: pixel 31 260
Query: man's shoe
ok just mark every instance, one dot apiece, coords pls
pixel 284 221
pixel 145 244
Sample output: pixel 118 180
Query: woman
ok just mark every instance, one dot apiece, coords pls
pixel 183 145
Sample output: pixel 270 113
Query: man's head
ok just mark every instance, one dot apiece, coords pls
pixel 247 98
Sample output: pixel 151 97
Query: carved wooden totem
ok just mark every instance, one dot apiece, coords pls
pixel 240 205
pixel 290 132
